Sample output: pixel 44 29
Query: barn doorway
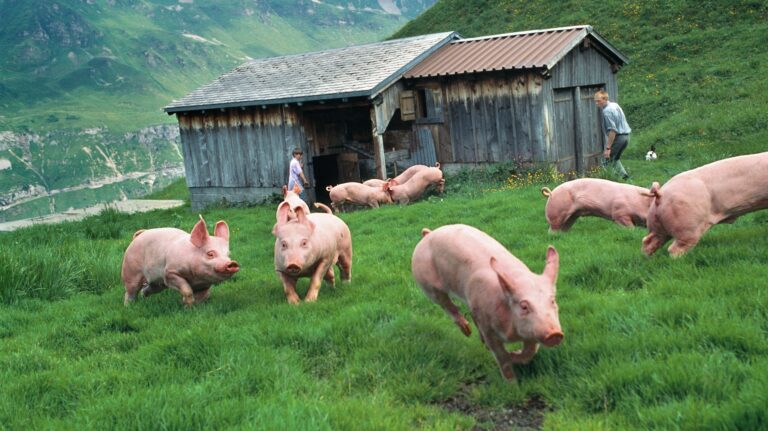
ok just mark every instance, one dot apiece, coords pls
pixel 578 136
pixel 326 173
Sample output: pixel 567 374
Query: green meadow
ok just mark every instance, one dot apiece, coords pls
pixel 649 342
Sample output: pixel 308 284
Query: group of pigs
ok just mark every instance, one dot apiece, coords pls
pixel 683 209
pixel 507 301
pixel 403 189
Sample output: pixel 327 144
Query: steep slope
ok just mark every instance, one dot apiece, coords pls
pixel 83 79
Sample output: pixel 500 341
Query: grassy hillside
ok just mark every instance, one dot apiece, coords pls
pixel 695 86
pixel 649 342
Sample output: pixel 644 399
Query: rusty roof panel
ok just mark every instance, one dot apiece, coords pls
pixel 523 50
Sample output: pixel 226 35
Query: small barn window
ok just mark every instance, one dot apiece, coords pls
pixel 429 105
pixel 407 105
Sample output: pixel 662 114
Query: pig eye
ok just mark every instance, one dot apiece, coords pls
pixel 211 254
pixel 525 306
pixel 284 245
pixel 304 243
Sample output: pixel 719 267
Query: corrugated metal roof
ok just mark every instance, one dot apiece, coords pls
pixel 522 50
pixel 353 71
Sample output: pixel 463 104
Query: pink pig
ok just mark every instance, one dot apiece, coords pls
pixel 692 201
pixel 507 301
pixel 309 246
pixel 357 194
pixel 169 257
pixel 625 204
pixel 294 200
pixel 410 172
pixel 412 189
pixel 375 182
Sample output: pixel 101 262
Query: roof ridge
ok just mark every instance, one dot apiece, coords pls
pixel 527 32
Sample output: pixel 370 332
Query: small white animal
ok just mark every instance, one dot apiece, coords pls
pixel 651 154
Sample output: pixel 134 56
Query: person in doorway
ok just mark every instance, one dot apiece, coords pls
pixel 296 174
pixel 617 132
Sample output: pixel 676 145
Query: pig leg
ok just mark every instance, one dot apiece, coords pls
pixel 527 353
pixel 442 299
pixel 289 287
pixel 179 284
pixel 330 277
pixel 685 242
pixel 624 220
pixel 496 345
pixel 652 242
pixel 202 295
pixel 133 283
pixel 345 265
pixel 152 288
pixel 314 284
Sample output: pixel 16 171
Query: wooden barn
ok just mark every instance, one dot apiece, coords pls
pixel 524 96
pixel 370 110
pixel 238 132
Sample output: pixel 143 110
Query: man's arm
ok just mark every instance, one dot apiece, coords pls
pixel 609 143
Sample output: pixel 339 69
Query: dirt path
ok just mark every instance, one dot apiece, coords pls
pixel 127 206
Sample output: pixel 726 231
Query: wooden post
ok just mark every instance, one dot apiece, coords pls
pixel 378 147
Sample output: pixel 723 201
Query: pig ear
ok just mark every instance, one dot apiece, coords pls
pixel 221 230
pixel 552 266
pixel 505 282
pixel 199 234
pixel 303 218
pixel 283 213
pixel 296 189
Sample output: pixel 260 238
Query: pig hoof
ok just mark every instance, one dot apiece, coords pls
pixel 509 374
pixel 294 300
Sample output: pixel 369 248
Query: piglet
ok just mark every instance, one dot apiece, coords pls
pixel 507 301
pixel 357 194
pixel 294 200
pixel 189 263
pixel 625 204
pixel 309 246
pixel 691 202
pixel 415 187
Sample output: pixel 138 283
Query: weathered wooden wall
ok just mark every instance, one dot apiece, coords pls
pixel 238 155
pixel 503 116
pixel 490 118
pixel 577 135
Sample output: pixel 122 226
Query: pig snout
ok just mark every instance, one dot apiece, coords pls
pixel 292 269
pixel 553 339
pixel 228 268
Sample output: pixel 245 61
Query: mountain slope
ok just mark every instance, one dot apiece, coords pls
pixel 84 78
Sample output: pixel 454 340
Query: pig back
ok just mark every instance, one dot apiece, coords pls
pixel 150 251
pixel 331 233
pixel 734 186
pixel 459 256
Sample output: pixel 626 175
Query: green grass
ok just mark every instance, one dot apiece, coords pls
pixel 650 342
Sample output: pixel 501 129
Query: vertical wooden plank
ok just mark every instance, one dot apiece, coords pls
pixel 537 117
pixel 511 119
pixel 247 143
pixel 522 119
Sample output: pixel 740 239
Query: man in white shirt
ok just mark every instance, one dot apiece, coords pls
pixel 296 174
pixel 616 129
